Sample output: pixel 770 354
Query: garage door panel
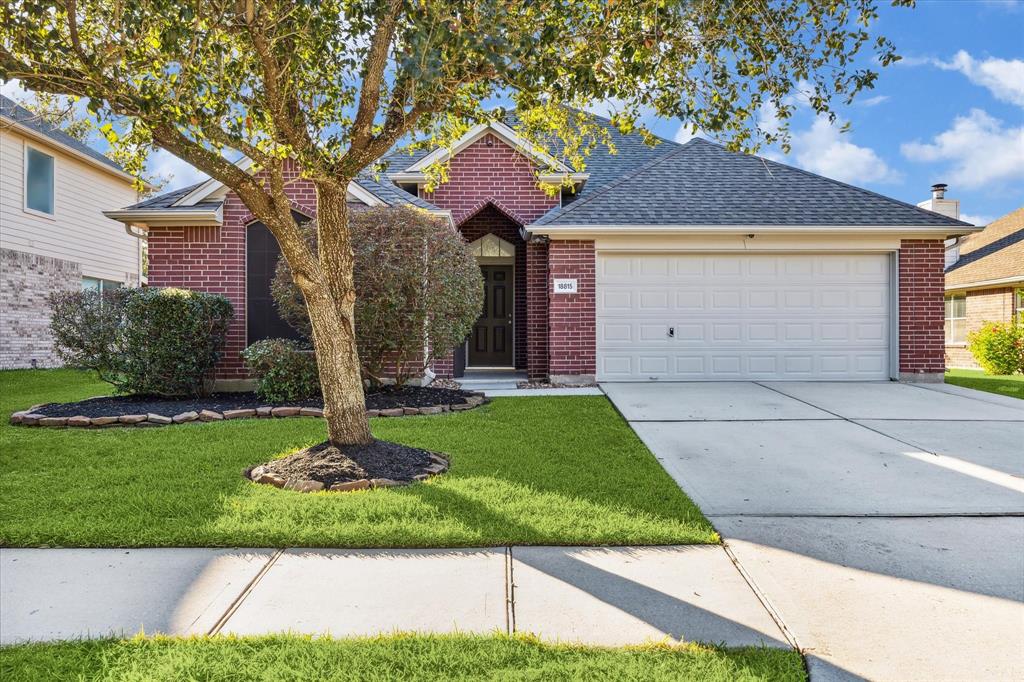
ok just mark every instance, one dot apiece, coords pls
pixel 765 316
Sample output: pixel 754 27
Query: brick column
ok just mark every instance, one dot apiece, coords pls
pixel 537 291
pixel 572 325
pixel 922 340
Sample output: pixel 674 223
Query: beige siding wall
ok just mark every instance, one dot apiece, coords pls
pixel 78 231
pixel 985 305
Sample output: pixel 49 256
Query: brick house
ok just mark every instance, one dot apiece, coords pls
pixel 54 236
pixel 671 262
pixel 984 283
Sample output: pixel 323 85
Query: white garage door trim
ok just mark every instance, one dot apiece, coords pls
pixel 689 316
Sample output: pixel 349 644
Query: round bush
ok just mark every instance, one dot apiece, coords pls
pixel 418 291
pixel 161 342
pixel 999 347
pixel 285 371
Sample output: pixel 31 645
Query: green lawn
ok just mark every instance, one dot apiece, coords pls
pixel 1012 386
pixel 562 470
pixel 395 657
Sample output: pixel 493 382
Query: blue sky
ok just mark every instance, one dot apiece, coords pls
pixel 952 111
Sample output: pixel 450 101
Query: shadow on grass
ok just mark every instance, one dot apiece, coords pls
pixel 545 471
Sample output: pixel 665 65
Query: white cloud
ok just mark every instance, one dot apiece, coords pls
pixel 823 149
pixel 1004 78
pixel 13 89
pixel 163 163
pixel 873 101
pixel 981 151
pixel 685 133
pixel 976 219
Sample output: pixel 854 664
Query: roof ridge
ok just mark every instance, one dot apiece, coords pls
pixel 862 190
pixel 619 180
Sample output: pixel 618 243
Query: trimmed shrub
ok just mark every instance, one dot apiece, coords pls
pixel 418 291
pixel 999 347
pixel 160 342
pixel 85 326
pixel 172 339
pixel 284 369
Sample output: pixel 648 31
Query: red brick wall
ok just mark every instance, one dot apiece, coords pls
pixel 481 177
pixel 986 305
pixel 573 329
pixel 537 311
pixel 213 259
pixel 921 284
pixel 481 173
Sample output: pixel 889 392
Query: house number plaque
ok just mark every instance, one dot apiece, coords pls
pixel 565 286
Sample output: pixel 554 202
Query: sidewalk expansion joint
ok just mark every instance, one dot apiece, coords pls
pixel 510 594
pixel 773 613
pixel 230 611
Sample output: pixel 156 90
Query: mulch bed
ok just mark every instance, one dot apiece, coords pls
pixel 153 410
pixel 380 464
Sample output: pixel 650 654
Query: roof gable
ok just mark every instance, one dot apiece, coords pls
pixel 995 254
pixel 702 184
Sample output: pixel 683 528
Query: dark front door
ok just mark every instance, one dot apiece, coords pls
pixel 490 344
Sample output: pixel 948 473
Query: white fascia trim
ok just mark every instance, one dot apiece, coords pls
pixel 364 195
pixel 559 178
pixel 210 187
pixel 159 217
pixel 986 283
pixel 508 135
pixel 576 230
pixel 39 138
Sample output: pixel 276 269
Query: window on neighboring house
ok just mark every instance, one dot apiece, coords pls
pixel 38 181
pixel 956 318
pixel 100 285
pixel 1018 305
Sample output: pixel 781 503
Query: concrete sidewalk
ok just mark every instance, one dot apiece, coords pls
pixel 594 595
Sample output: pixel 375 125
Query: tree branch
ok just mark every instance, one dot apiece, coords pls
pixel 376 63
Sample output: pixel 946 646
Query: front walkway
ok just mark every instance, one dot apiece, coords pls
pixel 882 524
pixel 604 596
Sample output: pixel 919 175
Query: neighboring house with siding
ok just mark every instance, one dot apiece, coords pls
pixel 984 283
pixel 53 234
pixel 665 263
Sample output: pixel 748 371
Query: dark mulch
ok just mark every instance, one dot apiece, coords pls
pixel 329 464
pixel 408 396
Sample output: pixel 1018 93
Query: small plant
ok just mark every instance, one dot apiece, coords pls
pixel 144 341
pixel 284 370
pixel 999 347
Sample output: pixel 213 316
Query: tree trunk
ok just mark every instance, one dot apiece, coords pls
pixel 329 290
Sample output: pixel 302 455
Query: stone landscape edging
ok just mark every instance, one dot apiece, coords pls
pixel 30 418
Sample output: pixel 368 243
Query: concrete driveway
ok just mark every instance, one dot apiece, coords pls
pixel 882 523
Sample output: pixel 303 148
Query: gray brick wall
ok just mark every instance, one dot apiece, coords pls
pixel 25 281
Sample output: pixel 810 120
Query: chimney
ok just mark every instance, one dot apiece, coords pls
pixel 940 204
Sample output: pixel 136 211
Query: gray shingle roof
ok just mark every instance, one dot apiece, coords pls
pixel 382 189
pixel 631 152
pixel 391 194
pixel 700 183
pixel 10 109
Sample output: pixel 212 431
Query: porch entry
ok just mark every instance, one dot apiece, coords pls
pixel 490 344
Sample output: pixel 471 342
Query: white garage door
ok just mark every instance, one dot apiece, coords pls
pixel 742 316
